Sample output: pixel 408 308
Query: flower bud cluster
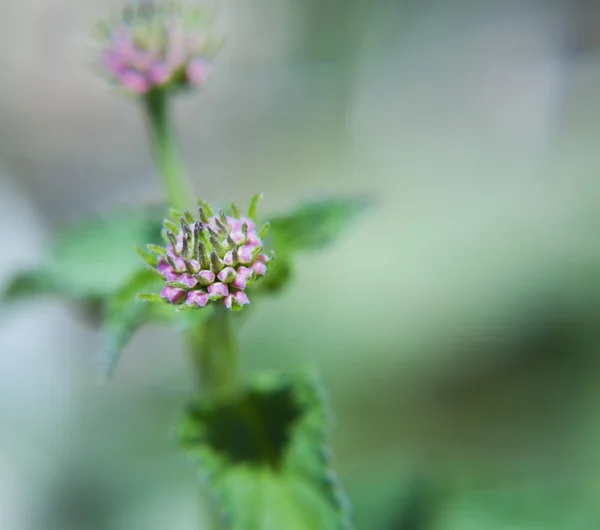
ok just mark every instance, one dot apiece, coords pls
pixel 213 259
pixel 157 46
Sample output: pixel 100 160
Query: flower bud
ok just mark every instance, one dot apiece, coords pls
pixel 196 266
pixel 157 46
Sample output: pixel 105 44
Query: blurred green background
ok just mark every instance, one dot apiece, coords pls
pixel 457 324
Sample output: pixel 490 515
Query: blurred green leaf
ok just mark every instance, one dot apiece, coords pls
pixel 264 455
pixel 28 284
pixel 526 504
pixel 314 225
pixel 309 227
pixel 91 259
pixel 388 494
pixel 124 314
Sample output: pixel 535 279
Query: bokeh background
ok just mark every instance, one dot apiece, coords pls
pixel 457 324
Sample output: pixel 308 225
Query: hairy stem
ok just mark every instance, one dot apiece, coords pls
pixel 177 186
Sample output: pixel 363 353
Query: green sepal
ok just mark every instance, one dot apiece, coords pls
pixel 264 230
pixel 151 298
pixel 187 307
pixel 171 227
pixel 155 272
pixel 174 215
pixel 157 250
pixel 177 285
pixel 264 454
pixel 188 217
pixel 149 258
pixel 253 208
pixel 206 207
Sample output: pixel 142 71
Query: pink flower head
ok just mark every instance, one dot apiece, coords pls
pixel 210 260
pixel 158 45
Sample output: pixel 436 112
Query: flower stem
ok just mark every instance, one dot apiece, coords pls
pixel 214 349
pixel 177 186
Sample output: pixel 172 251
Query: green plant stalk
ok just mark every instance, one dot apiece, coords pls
pixel 177 186
pixel 214 348
pixel 213 343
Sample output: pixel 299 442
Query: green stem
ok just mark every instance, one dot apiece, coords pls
pixel 178 188
pixel 214 349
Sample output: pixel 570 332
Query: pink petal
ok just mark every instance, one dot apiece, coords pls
pixel 218 290
pixel 163 267
pixel 199 298
pixel 206 277
pixel 228 301
pixel 259 268
pixel 227 274
pixel 245 253
pixel 188 280
pixel 241 298
pixel 134 82
pixel 172 294
pixel 197 72
pixel 159 73
pixel 243 274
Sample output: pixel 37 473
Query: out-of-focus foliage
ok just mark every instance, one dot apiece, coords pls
pixel 123 313
pixel 91 259
pixel 265 456
pixel 310 226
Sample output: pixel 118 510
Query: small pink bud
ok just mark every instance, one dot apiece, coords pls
pixel 259 268
pixel 199 298
pixel 227 275
pixel 251 224
pixel 245 253
pixel 134 81
pixel 172 276
pixel 228 258
pixel 188 280
pixel 195 265
pixel 140 60
pixel 206 277
pixel 163 267
pixel 159 73
pixel 197 72
pixel 242 277
pixel 253 239
pixel 238 237
pixel 179 264
pixel 218 290
pixel 157 45
pixel 241 298
pixel 173 295
pixel 262 258
pixel 228 301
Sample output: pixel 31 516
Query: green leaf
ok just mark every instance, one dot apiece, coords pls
pixel 93 258
pixel 311 226
pixel 98 257
pixel 138 303
pixel 124 314
pixel 264 455
pixel 28 284
pixel 314 225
